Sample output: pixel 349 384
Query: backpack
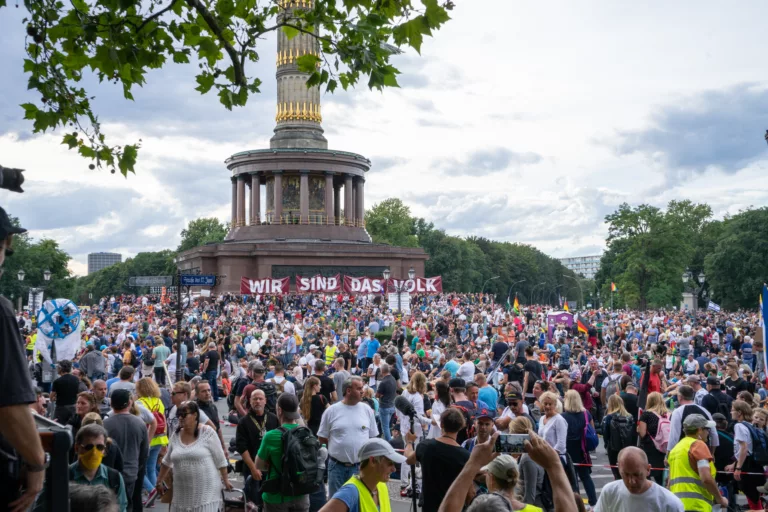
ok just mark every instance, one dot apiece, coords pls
pixel 661 441
pixel 147 357
pixel 117 364
pixel 622 430
pixel 759 445
pixel 134 359
pixel 270 391
pixel 238 382
pixel 159 417
pixel 280 386
pixel 613 387
pixel 469 430
pixel 301 473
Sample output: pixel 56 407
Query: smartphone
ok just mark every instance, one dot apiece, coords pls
pixel 511 443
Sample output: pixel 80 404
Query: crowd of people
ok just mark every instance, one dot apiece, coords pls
pixel 313 383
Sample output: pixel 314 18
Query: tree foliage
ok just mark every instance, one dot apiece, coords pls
pixel 467 265
pixel 648 251
pixel 737 265
pixel 202 231
pixel 120 41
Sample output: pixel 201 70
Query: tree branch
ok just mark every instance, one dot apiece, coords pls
pixel 156 15
pixel 216 29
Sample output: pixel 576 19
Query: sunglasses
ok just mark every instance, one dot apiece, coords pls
pixel 89 447
pixel 178 393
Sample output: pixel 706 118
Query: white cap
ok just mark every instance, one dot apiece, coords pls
pixel 377 447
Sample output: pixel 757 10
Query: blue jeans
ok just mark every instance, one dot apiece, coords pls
pixel 210 376
pixel 150 477
pixel 386 414
pixel 338 474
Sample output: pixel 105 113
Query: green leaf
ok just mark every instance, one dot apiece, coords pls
pixel 290 32
pixel 435 14
pixel 127 160
pixel 86 151
pixel 307 63
pixel 331 85
pixel 412 32
pixel 30 110
pixel 225 97
pixel 180 58
pixel 206 81
pixel 70 140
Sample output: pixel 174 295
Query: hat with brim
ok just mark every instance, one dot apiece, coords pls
pixel 377 447
pixel 7 228
pixel 289 406
pixel 696 421
pixel 504 467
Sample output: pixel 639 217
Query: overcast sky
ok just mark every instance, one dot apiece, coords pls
pixel 520 121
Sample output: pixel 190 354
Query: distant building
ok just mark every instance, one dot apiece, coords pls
pixel 584 265
pixel 100 260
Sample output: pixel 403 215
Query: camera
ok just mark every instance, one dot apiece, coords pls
pixel 11 179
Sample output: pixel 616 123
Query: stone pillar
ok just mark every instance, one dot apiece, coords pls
pixel 336 203
pixel 349 207
pixel 278 197
pixel 255 200
pixel 234 203
pixel 304 198
pixel 329 193
pixel 241 200
pixel 360 201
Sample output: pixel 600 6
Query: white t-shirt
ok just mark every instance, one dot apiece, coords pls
pixel 615 497
pixel 347 428
pixel 741 433
pixel 288 386
pixel 466 371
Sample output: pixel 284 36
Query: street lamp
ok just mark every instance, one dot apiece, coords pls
pixel 34 289
pixel 581 292
pixel 687 276
pixel 399 287
pixel 702 277
pixel 509 293
pixel 598 299
pixel 532 297
pixel 486 282
pixel 47 275
pixel 21 275
pixel 411 273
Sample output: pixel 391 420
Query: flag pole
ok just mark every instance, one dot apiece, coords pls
pixel 611 298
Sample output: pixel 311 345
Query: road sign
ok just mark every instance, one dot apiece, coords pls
pixel 198 280
pixel 150 281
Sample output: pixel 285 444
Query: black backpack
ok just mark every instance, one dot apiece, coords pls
pixel 270 391
pixel 117 364
pixel 622 432
pixel 134 359
pixel 301 473
pixel 237 389
pixel 759 455
pixel 147 357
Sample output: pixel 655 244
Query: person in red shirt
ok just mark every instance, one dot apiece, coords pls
pixel 656 381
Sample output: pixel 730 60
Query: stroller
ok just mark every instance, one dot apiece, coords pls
pixel 235 501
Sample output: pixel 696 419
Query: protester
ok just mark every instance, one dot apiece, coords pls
pixel 251 432
pixel 64 393
pixel 148 394
pixel 90 447
pixel 618 431
pixel 344 428
pixel 743 446
pixel 577 419
pixel 414 393
pixel 198 463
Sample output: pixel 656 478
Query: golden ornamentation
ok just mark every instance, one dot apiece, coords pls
pixel 298 112
pixel 289 56
pixel 292 4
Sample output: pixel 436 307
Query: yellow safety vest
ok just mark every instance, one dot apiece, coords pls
pixel 684 481
pixel 32 341
pixel 366 500
pixel 330 354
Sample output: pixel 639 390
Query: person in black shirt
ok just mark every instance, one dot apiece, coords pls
pixel 251 430
pixel 533 372
pixel 499 349
pixel 441 459
pixel 629 395
pixel 64 392
pixel 386 393
pixel 327 387
pixel 734 383
pixel 193 367
pixel 210 369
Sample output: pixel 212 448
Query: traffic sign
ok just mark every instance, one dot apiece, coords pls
pixel 150 281
pixel 198 280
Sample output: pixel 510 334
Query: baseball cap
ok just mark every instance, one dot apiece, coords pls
pixel 457 383
pixel 713 381
pixel 503 467
pixel 719 417
pixel 514 395
pixel 120 399
pixel 6 228
pixel 289 405
pixel 377 447
pixel 483 412
pixel 697 421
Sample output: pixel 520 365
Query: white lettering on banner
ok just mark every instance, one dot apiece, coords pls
pixel 363 284
pixel 318 284
pixel 263 286
pixel 419 285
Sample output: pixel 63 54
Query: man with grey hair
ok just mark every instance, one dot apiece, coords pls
pixel 635 491
pixel 344 428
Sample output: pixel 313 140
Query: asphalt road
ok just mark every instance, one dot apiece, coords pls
pixel 601 476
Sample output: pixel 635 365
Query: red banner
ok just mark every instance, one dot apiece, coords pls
pixel 318 284
pixel 363 284
pixel 418 285
pixel 266 286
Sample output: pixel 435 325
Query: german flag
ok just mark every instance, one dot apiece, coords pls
pixel 565 306
pixel 582 324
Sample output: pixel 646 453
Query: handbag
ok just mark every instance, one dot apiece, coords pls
pixel 591 441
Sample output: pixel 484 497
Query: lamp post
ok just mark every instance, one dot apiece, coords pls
pixel 543 283
pixel 598 299
pixel 696 289
pixel 34 289
pixel 581 292
pixel 399 288
pixel 509 293
pixel 482 290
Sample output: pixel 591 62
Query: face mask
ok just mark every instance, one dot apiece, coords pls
pixel 91 459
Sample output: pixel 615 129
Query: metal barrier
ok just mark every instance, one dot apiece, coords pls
pixel 288 219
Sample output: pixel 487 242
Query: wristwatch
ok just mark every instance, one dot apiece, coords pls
pixel 36 468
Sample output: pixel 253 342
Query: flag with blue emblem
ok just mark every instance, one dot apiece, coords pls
pixel 713 307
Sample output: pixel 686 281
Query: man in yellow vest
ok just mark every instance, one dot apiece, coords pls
pixel 367 492
pixel 331 351
pixel 691 467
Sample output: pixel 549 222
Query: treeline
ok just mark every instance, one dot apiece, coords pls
pixel 649 249
pixel 477 264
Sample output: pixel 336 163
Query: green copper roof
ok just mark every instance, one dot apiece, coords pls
pixel 299 150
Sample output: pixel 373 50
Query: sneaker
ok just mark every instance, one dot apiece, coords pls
pixel 403 492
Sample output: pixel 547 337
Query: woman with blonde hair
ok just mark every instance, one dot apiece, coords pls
pixel 312 404
pixel 554 430
pixel 577 419
pixel 149 396
pixel 414 393
pixel 530 487
pixel 617 421
pixel 647 430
